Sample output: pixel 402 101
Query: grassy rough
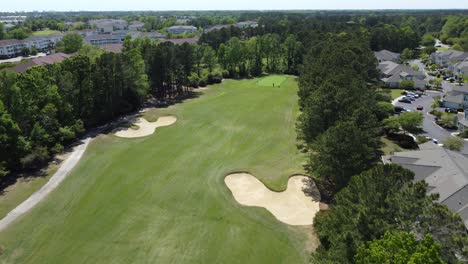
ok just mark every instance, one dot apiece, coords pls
pixel 45 32
pixel 162 198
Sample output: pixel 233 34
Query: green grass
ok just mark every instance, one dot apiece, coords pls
pixel 162 198
pixel 389 147
pixel 442 49
pixel 24 187
pixel 275 80
pixel 45 32
pixel 396 93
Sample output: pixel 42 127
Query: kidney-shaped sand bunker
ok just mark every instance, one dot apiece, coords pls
pixel 291 206
pixel 145 128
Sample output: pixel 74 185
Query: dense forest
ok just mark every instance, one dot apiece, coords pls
pixel 374 208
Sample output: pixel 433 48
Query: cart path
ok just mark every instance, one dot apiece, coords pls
pixel 54 181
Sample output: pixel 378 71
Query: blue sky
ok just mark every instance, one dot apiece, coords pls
pixel 106 5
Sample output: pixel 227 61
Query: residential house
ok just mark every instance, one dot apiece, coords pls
pixel 445 172
pixel 393 73
pixel 74 24
pixel 9 27
pixel 102 39
pixel 460 69
pixel 457 98
pixel 449 57
pixel 51 59
pixel 151 35
pixel 113 48
pixel 462 121
pixel 181 29
pixel 386 55
pixel 107 26
pixel 136 26
pixel 11 47
pixel 123 33
pixel 85 32
pixel 218 27
pixel 181 21
pixel 43 43
pixel 247 24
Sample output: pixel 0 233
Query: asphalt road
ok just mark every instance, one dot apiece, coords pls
pixel 430 128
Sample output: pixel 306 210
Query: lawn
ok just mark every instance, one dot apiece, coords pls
pixel 396 93
pixel 162 199
pixel 274 80
pixel 45 32
pixel 17 193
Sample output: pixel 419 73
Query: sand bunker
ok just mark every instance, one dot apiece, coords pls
pixel 292 206
pixel 145 128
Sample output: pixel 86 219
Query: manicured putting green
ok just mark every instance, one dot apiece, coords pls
pixel 162 198
pixel 275 80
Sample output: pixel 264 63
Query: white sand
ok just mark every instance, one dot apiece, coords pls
pixel 145 128
pixel 292 206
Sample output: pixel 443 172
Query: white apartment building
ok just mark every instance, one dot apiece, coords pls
pixel 181 29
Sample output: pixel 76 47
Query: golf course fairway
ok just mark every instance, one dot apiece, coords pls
pixel 162 198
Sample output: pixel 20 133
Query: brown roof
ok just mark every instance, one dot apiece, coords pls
pixel 51 59
pixel 180 41
pixel 7 42
pixel 114 48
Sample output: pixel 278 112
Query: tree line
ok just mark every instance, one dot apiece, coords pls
pixel 377 212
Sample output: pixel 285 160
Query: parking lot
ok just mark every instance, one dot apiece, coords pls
pixel 430 128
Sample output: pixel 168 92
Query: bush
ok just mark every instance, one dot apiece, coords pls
pixel 421 139
pixel 407 85
pixel 463 134
pixel 453 143
pixel 36 158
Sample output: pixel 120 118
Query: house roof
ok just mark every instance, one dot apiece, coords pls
pixel 388 67
pixel 445 171
pixel 454 98
pixel 386 55
pixel 114 48
pixel 51 59
pixel 8 42
pixel 182 27
pixel 462 64
pixel 452 55
pixel 217 27
pixel 101 36
pixel 460 88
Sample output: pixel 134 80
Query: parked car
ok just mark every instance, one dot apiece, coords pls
pixel 405 100
pixel 450 110
pixel 399 110
pixel 420 108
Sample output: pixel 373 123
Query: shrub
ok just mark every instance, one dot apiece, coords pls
pixel 407 85
pixel 463 134
pixel 422 139
pixel 453 143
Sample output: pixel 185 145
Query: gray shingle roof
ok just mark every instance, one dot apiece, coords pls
pixel 445 171
pixel 386 55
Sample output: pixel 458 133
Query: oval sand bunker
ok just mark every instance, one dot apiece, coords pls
pixel 292 206
pixel 146 128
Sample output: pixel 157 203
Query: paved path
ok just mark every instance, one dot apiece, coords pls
pixel 54 181
pixel 62 172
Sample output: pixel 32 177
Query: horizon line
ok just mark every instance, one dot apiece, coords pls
pixel 237 10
